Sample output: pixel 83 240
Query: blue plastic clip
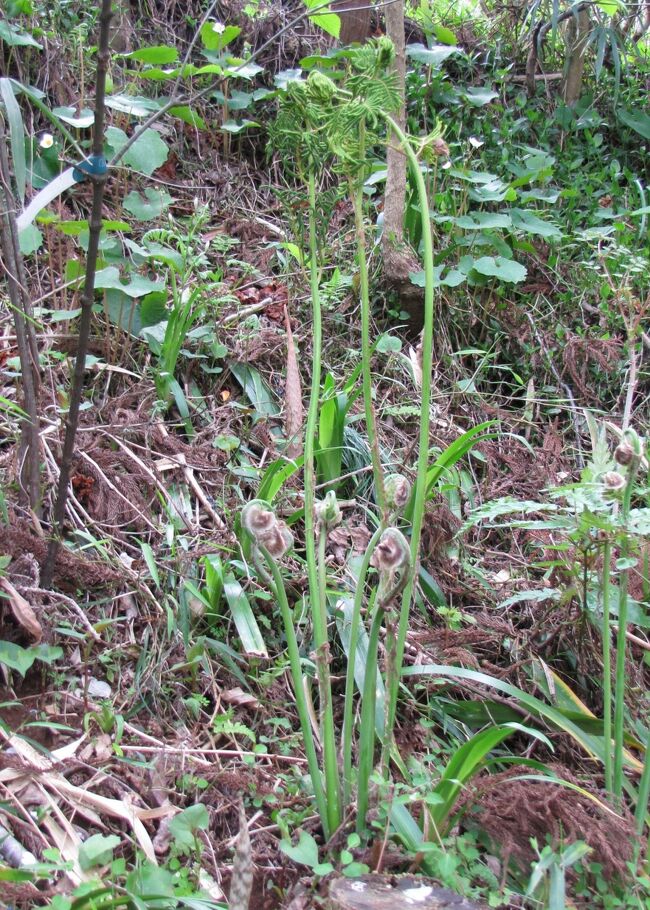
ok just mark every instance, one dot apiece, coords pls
pixel 94 165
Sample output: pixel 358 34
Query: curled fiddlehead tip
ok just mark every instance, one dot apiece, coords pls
pixel 392 553
pixel 328 511
pixel 629 448
pixel 613 480
pixel 398 491
pixel 257 517
pixel 385 52
pixel 320 87
pixel 266 529
pixel 278 540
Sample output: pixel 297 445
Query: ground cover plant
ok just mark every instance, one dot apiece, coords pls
pixel 308 573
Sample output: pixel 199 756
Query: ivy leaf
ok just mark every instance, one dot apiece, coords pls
pixel 498 267
pixel 329 22
pixel 483 221
pixel 637 120
pixel 185 113
pixel 184 825
pixel 304 852
pixel 147 207
pixel 21 659
pixel 161 53
pixel 15 38
pixel 30 239
pixel 97 850
pixel 79 119
pixel 432 56
pixel 388 344
pixel 215 35
pixel 135 105
pixel 478 96
pixel 147 153
pixel 138 286
pixel 524 220
pixel 231 126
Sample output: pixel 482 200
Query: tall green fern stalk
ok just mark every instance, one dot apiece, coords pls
pixel 628 454
pixel 317 593
pixel 321 124
pixel 427 146
pixel 356 192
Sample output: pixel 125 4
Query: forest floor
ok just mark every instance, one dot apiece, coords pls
pixel 152 704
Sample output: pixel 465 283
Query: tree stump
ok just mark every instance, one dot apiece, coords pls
pixel 394 892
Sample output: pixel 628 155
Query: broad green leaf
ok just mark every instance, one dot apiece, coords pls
pixel 185 113
pixel 304 852
pixel 533 596
pixel 183 827
pixel 388 344
pixel 15 657
pixel 329 22
pixel 498 267
pixel 21 659
pixel 637 120
pixel 215 35
pixel 525 220
pixel 153 308
pixel 138 285
pixel 77 228
pixel 135 105
pixel 97 850
pixel 493 191
pixel 13 37
pixel 160 54
pixel 431 56
pixel 445 34
pixel 244 618
pixel 16 134
pixel 79 119
pixel 483 221
pixel 147 207
pixel 231 126
pixel 30 239
pixel 147 153
pixel 451 279
pixel 257 391
pixel 478 96
pixel 239 69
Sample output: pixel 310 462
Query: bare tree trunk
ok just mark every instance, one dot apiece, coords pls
pixel 98 179
pixel 355 20
pixel 577 36
pixel 399 259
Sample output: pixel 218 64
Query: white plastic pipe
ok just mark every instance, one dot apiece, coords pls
pixel 53 189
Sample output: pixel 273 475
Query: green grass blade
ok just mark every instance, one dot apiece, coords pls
pixel 244 619
pixel 17 134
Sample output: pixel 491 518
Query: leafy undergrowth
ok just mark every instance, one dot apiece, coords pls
pixel 153 749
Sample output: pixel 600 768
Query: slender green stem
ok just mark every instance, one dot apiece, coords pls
pixel 299 693
pixel 425 408
pixel 619 698
pixel 644 792
pixel 356 191
pixel 348 709
pixel 367 731
pixel 317 602
pixel 607 666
